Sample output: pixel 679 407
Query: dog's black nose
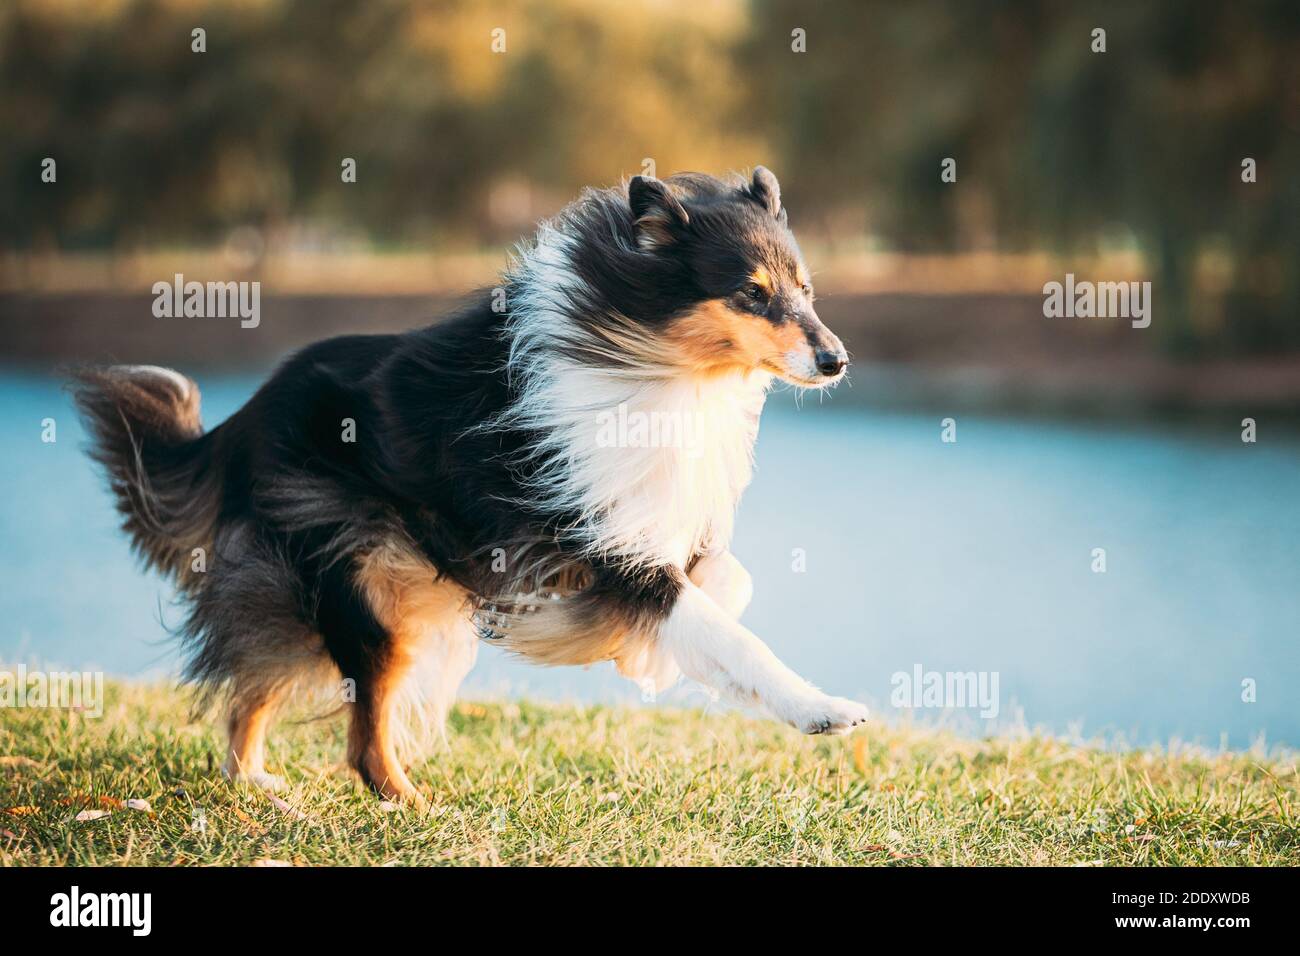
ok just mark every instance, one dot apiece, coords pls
pixel 831 363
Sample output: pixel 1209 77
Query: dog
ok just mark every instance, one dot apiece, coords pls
pixel 384 502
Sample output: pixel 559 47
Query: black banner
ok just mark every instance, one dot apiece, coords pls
pixel 364 907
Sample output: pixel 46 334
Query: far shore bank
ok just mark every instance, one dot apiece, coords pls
pixel 961 351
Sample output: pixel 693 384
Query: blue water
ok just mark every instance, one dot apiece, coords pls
pixel 972 556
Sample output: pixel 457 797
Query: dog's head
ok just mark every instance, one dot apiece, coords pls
pixel 744 295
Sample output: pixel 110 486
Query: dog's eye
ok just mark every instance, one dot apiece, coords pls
pixel 806 289
pixel 756 292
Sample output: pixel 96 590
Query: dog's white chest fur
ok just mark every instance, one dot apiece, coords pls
pixel 668 464
pixel 654 468
pixel 652 464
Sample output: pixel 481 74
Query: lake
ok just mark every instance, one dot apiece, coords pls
pixel 877 550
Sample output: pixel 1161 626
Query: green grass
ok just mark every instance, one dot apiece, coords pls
pixel 529 784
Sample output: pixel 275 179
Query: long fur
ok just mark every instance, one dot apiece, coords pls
pixel 477 496
pixel 145 427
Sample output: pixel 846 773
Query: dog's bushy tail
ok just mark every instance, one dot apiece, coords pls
pixel 145 431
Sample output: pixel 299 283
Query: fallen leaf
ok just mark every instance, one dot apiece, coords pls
pixel 84 799
pixel 22 811
pixel 85 815
pixel 875 848
pixel 270 863
pixel 255 828
pixel 138 805
pixel 10 835
pixel 284 807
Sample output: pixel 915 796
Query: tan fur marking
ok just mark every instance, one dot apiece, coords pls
pixel 371 750
pixel 556 633
pixel 715 338
pixel 249 720
pixel 762 278
pixel 407 598
pixel 406 595
pixel 370 739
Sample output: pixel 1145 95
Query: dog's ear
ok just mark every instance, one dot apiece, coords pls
pixel 766 191
pixel 659 214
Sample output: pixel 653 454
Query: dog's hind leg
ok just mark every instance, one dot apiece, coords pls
pixel 421 645
pixel 249 717
pixel 372 749
pixel 249 645
pixel 446 658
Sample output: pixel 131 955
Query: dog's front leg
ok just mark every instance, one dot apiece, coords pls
pixel 711 647
pixel 725 580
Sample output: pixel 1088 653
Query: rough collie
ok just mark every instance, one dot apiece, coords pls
pixel 383 502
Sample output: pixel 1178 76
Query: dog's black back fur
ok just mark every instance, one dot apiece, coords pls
pixel 287 502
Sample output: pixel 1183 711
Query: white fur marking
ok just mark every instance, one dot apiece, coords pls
pixel 179 380
pixel 650 505
pixel 714 649
pixel 725 581
pixel 799 362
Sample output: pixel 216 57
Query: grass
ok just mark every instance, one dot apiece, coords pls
pixel 530 784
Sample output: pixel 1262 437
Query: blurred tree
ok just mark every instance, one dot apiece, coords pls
pixel 156 143
pixel 1057 144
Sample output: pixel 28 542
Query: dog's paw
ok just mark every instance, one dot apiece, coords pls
pixel 271 783
pixel 828 715
pixel 410 799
